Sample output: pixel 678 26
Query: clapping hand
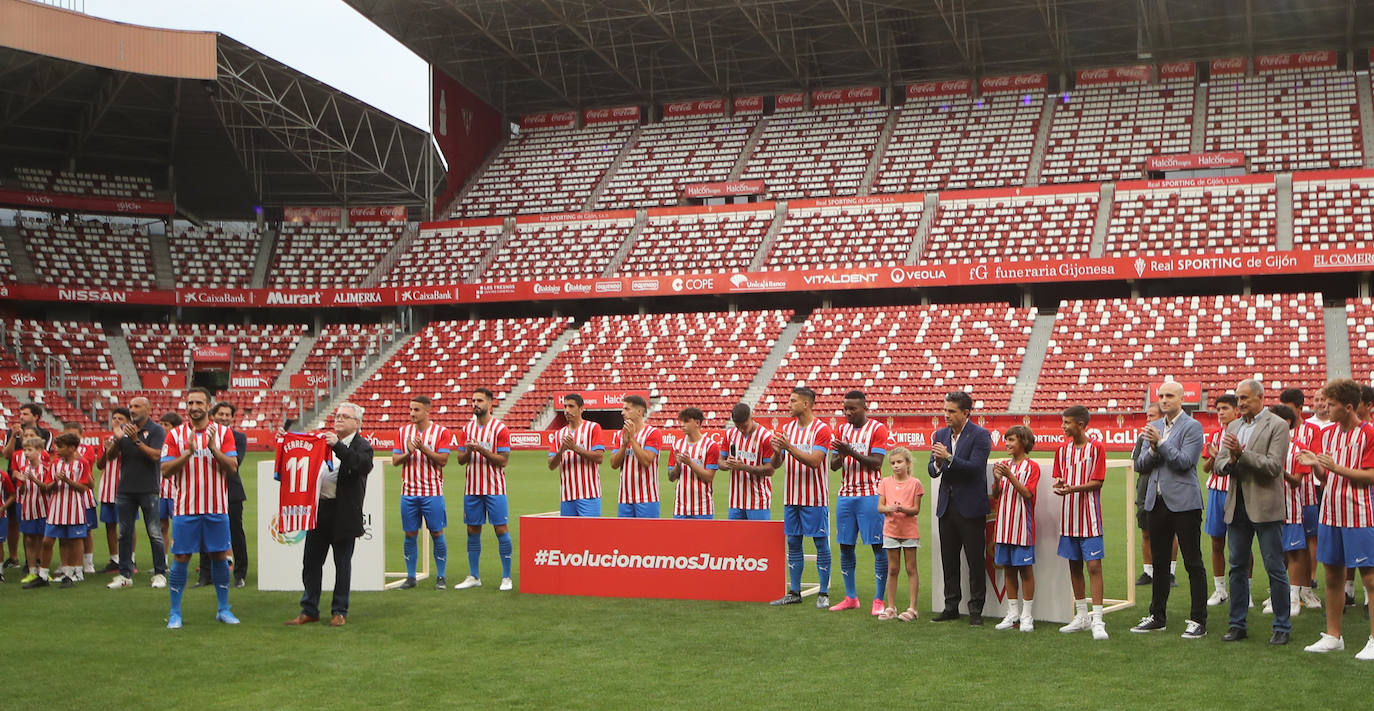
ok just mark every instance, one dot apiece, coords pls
pixel 413 443
pixel 1001 469
pixel 779 442
pixel 1308 458
pixel 939 451
pixel 1153 435
pixel 1060 488
pixel 128 430
pixel 1231 442
pixel 567 443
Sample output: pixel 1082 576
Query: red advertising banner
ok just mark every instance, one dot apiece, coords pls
pixel 1228 66
pixel 1177 70
pixel 466 129
pixel 1179 183
pixel 22 379
pixel 1195 161
pixel 1137 74
pixel 761 206
pixel 212 354
pixel 704 107
pixel 376 213
pixel 747 105
pixel 652 558
pixel 1192 392
pixel 25 292
pixel 790 102
pixel 84 203
pixel 314 215
pixel 95 381
pixel 163 381
pixel 726 189
pixel 860 96
pixel 308 381
pixel 620 114
pixel 557 119
pixel 1014 82
pixel 1265 64
pixel 610 399
pixel 932 89
pixel 426 227
pixel 857 201
pixel 576 216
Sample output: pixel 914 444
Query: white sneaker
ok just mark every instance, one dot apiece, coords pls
pixel 1027 624
pixel 1327 643
pixel 79 576
pixel 468 582
pixel 1268 606
pixel 1099 631
pixel 1217 598
pixel 1008 622
pixel 506 584
pixel 1294 605
pixel 88 568
pixel 120 582
pixel 1077 624
pixel 1252 601
pixel 1367 654
pixel 159 581
pixel 1310 599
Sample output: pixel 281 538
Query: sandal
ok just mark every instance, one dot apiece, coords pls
pixel 910 615
pixel 889 613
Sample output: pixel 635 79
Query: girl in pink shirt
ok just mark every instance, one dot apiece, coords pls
pixel 899 499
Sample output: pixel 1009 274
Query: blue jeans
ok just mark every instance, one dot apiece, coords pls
pixel 1239 534
pixel 129 505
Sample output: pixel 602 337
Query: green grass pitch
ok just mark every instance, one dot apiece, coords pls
pixel 482 648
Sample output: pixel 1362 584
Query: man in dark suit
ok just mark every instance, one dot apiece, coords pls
pixel 223 415
pixel 959 459
pixel 339 520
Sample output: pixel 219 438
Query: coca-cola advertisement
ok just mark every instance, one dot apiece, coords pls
pixel 747 105
pixel 705 107
pixel 790 102
pixel 860 96
pixel 1195 161
pixel 1228 66
pixel 1134 74
pixel 1302 60
pixel 933 89
pixel 377 214
pixel 1177 70
pixel 1014 82
pixel 546 121
pixel 314 215
pixel 621 114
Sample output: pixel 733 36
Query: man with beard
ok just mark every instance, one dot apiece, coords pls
pixel 485 449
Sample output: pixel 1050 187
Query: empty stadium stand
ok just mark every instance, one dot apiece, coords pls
pixel 1036 226
pixel 847 236
pixel 1305 119
pixel 307 256
pixel 545 171
pixel 1192 220
pixel 549 250
pixel 698 242
pixel 89 254
pixel 960 142
pixel 1333 213
pixel 213 258
pixel 1104 353
pixel 1103 133
pixel 350 343
pixel 84 183
pixel 705 360
pixel 257 349
pixel 906 358
pixel 1359 319
pixel 80 346
pixel 674 153
pixel 816 153
pixel 444 255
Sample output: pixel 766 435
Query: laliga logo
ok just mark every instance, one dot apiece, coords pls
pixel 284 539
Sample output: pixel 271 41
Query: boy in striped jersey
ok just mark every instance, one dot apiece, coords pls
pixel 1214 520
pixel 108 463
pixel 87 453
pixel 749 460
pixel 859 451
pixel 801 446
pixel 31 477
pixel 485 450
pixel 636 456
pixel 694 471
pixel 422 449
pixel 200 455
pixel 576 456
pixel 1016 480
pixel 1080 469
pixel 1292 536
pixel 1344 463
pixel 1306 436
pixel 71 481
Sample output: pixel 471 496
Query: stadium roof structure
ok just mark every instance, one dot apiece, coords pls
pixel 526 56
pixel 230 127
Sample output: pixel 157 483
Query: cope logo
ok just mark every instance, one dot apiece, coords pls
pixel 284 539
pixel 693 284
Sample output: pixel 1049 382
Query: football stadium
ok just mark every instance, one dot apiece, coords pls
pixel 1047 322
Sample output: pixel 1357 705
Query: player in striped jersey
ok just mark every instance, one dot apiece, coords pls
pixel 30 417
pixel 167 491
pixel 576 455
pixel 636 456
pixel 1305 435
pixel 1344 462
pixel 200 455
pixel 71 481
pixel 87 453
pixel 859 452
pixel 31 476
pixel 750 463
pixel 1014 536
pixel 1080 469
pixel 108 464
pixel 1291 536
pixel 801 446
pixel 1214 523
pixel 485 449
pixel 422 449
pixel 697 458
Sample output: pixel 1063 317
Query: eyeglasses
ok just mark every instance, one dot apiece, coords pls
pixel 339 416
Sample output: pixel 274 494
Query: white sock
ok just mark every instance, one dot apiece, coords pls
pixel 1026 613
pixel 43 573
pixel 1150 569
pixel 1220 582
pixel 1097 614
pixel 1081 607
pixel 1014 608
pixel 1173 567
pixel 89 559
pixel 1350 588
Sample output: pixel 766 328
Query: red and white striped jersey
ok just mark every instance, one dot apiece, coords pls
pixel 1076 466
pixel 691 495
pixel 33 503
pixel 1307 435
pixel 1343 503
pixel 1293 495
pixel 1015 515
pixel 578 477
pixel 67 505
pixel 872 438
pixel 419 476
pixel 88 454
pixel 806 486
pixel 109 481
pixel 201 486
pixel 1215 481
pixel 484 478
pixel 638 481
pixel 746 490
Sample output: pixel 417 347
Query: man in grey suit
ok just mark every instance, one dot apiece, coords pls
pixel 1173 505
pixel 1253 452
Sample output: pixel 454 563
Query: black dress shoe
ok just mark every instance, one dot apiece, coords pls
pixel 1144 579
pixel 1279 638
pixel 1236 634
pixel 975 620
pixel 945 616
pixel 1173 580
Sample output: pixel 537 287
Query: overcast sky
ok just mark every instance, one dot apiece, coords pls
pixel 325 39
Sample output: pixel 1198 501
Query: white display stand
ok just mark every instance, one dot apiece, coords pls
pixel 280 554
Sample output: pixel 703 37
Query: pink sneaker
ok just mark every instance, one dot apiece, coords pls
pixel 849 603
pixel 877 607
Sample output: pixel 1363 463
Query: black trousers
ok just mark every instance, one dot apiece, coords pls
pixel 968 534
pixel 317 545
pixel 237 540
pixel 1187 526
